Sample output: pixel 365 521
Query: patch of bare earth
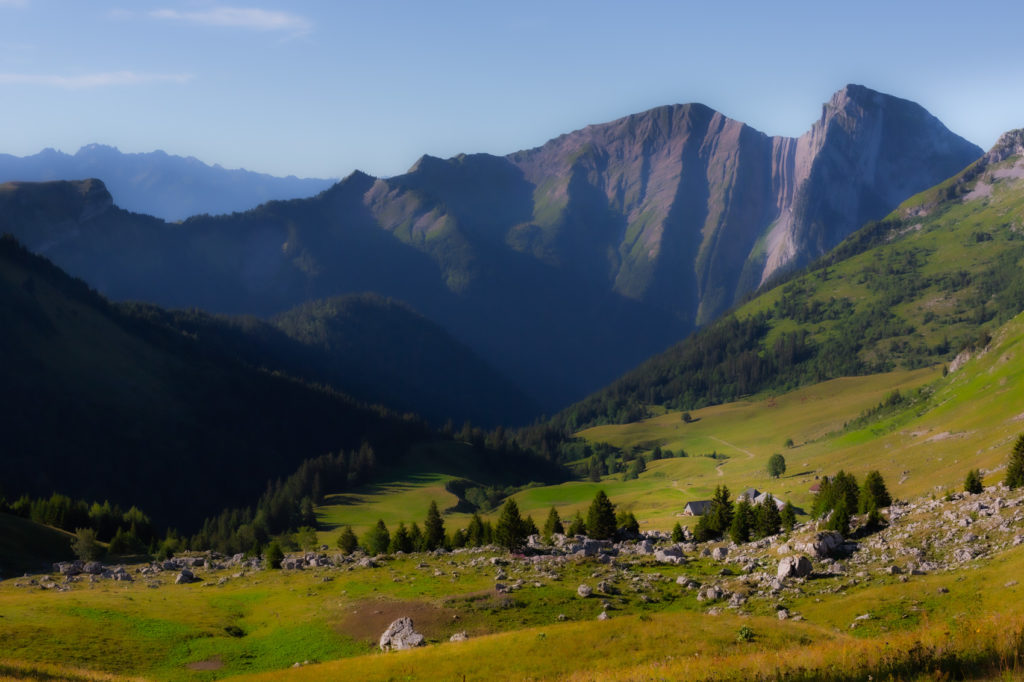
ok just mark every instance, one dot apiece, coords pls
pixel 366 620
pixel 214 663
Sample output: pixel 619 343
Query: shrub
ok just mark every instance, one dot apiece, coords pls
pixel 1015 468
pixel 273 556
pixel 972 484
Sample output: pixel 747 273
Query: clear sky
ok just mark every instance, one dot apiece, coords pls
pixel 322 88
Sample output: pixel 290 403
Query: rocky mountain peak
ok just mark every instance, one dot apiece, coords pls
pixel 1009 144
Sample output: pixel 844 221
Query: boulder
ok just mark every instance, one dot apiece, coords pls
pixel 821 545
pixel 400 635
pixel 584 590
pixel 459 637
pixel 719 553
pixel 185 577
pixel 794 567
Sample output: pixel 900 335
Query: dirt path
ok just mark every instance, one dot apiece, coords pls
pixel 748 453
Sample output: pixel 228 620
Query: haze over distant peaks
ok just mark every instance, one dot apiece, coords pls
pixel 160 184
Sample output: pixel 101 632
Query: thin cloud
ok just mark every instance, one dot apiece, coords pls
pixel 92 80
pixel 240 17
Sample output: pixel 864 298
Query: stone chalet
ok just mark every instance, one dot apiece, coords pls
pixel 696 508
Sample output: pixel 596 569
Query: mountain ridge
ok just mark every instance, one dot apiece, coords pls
pixel 160 184
pixel 562 266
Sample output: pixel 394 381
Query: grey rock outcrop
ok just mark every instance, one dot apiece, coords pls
pixel 794 567
pixel 400 635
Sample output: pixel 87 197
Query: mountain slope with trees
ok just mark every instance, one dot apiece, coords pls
pixel 562 266
pixel 929 281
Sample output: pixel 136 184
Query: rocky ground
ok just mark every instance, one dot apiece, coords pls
pixel 925 536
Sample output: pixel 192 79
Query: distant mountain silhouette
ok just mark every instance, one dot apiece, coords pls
pixel 160 184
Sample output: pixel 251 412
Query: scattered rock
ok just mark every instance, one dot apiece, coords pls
pixel 584 590
pixel 185 577
pixel 459 637
pixel 400 635
pixel 794 567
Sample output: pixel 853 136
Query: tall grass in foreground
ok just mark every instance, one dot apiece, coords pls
pixel 44 672
pixel 701 648
pixel 975 649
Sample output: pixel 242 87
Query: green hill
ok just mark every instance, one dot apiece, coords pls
pixel 933 278
pixel 27 547
pixel 99 403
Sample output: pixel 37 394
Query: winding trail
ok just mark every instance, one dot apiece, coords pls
pixel 748 453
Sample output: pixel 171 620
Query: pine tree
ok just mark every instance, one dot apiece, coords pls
pixel 347 541
pixel 529 527
pixel 578 526
pixel 719 514
pixel 416 537
pixel 873 494
pixel 767 520
pixel 742 522
pixel 510 531
pixel 475 531
pixel 840 519
pixel 377 539
pixel 677 533
pixel 273 556
pixel 703 532
pixel 1015 467
pixel 601 518
pixel 627 522
pixel 552 525
pixel 972 484
pixel 400 541
pixel 788 516
pixel 433 528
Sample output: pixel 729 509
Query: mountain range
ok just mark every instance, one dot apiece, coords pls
pixel 563 266
pixel 160 184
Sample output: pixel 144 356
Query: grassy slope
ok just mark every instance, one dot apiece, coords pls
pixel 910 267
pixel 27 546
pixel 129 629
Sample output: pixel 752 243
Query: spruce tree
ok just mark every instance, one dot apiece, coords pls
pixel 347 541
pixel 767 520
pixel 377 539
pixel 433 528
pixel 578 526
pixel 873 494
pixel 1015 467
pixel 601 518
pixel 840 519
pixel 552 525
pixel 510 531
pixel 677 533
pixel 475 532
pixel 416 537
pixel 400 541
pixel 273 556
pixel 972 484
pixel 788 516
pixel 742 520
pixel 720 513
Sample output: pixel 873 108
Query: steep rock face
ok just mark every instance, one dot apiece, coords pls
pixel 695 209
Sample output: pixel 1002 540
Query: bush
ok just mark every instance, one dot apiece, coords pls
pixel 972 484
pixel 273 556
pixel 85 545
pixel 347 541
pixel 1015 468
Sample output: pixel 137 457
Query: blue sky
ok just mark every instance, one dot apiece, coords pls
pixel 323 88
